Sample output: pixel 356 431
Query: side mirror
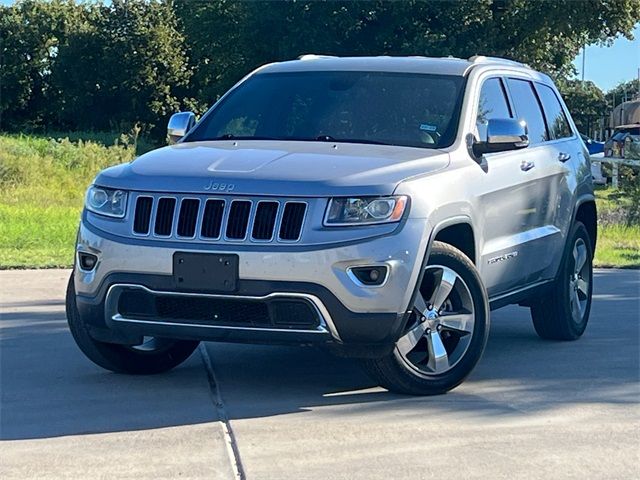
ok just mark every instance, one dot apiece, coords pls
pixel 502 134
pixel 179 125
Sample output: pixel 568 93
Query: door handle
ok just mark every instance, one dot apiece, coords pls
pixel 563 157
pixel 526 165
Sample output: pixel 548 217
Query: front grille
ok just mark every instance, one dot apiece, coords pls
pixel 213 218
pixel 277 313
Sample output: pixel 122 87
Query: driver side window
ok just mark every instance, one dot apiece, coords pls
pixel 492 104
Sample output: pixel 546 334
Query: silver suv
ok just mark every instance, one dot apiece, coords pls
pixel 379 207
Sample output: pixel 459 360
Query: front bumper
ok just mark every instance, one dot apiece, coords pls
pixel 351 314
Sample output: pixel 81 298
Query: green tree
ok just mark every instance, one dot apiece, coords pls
pixel 227 39
pixel 629 90
pixel 90 66
pixel 215 44
pixel 585 101
pixel 108 65
pixel 122 66
pixel 30 35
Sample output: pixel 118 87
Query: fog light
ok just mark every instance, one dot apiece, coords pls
pixel 87 261
pixel 370 276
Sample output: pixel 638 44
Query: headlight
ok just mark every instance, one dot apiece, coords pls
pixel 106 201
pixel 364 210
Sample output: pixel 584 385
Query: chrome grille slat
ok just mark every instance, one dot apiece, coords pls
pixel 223 218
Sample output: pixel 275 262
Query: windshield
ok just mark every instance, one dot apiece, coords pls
pixel 415 110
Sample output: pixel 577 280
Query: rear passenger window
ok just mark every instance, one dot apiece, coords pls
pixel 556 120
pixel 493 101
pixel 528 108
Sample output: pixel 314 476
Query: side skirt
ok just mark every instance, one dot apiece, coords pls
pixel 521 295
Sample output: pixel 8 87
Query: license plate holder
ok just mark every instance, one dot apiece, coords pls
pixel 205 272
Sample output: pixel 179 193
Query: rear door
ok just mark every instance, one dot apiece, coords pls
pixel 568 156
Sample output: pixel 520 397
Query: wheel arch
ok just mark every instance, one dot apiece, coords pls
pixel 457 232
pixel 586 213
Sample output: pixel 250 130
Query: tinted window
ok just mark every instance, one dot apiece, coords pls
pixel 493 102
pixel 528 109
pixel 629 130
pixel 371 107
pixel 556 119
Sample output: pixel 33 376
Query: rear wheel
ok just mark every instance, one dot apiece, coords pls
pixel 563 313
pixel 153 355
pixel 446 332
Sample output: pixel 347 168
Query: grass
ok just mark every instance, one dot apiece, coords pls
pixel 43 180
pixel 42 185
pixel 618 246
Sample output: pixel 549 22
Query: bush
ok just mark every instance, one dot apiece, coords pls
pixel 42 172
pixel 630 195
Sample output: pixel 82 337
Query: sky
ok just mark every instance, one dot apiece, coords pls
pixel 609 66
pixel 606 66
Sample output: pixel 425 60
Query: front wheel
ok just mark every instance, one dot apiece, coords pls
pixel 446 332
pixel 154 355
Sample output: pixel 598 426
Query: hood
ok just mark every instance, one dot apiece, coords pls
pixel 274 168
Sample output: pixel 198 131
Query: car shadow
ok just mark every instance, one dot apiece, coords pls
pixel 49 389
pixel 518 374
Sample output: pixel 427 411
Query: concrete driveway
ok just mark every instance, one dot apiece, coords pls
pixel 531 409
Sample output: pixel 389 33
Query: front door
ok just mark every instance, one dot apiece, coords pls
pixel 519 194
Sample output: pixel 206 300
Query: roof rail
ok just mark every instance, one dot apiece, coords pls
pixel 504 61
pixel 313 56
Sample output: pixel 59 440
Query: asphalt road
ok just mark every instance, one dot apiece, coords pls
pixel 531 409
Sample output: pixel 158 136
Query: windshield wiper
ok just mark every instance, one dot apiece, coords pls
pixel 329 138
pixel 319 138
pixel 231 136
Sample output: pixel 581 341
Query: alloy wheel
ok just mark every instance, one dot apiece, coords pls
pixel 441 325
pixel 579 281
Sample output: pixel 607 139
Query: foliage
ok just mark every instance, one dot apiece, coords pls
pixel 31 34
pixel 42 183
pixel 617 95
pixel 628 197
pixel 109 65
pixel 98 66
pixel 585 101
pixel 44 171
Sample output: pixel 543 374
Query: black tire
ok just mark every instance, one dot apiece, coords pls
pixel 396 373
pixel 553 316
pixel 123 358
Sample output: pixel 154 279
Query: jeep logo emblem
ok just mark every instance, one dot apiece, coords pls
pixel 214 186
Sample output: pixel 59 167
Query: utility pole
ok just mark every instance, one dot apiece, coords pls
pixel 584 56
